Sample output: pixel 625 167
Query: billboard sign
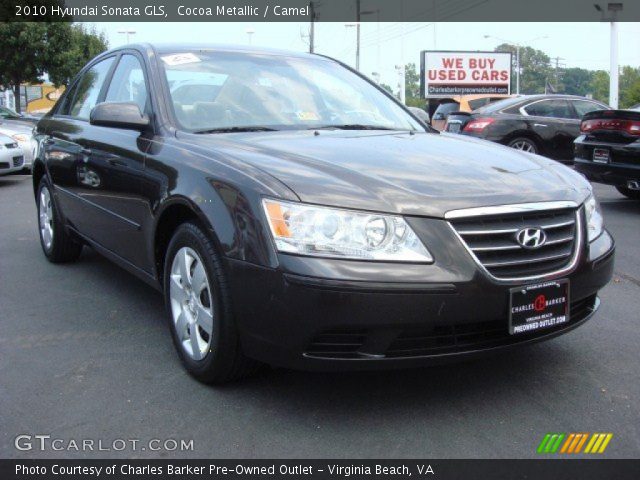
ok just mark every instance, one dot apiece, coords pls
pixel 446 73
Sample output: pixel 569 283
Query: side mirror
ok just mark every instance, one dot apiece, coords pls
pixel 119 115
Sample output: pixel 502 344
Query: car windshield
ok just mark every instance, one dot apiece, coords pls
pixel 227 91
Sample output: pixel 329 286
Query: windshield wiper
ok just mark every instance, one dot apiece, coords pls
pixel 352 126
pixel 236 129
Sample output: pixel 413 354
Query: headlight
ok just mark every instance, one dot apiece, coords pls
pixel 20 137
pixel 331 232
pixel 595 222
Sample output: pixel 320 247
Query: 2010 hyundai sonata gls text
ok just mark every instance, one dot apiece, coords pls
pixel 294 213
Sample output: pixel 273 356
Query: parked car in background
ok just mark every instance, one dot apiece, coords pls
pixel 22 133
pixel 6 114
pixel 422 115
pixel 543 124
pixel 461 103
pixel 11 158
pixel 608 149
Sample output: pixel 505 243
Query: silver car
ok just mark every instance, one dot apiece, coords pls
pixel 21 132
pixel 11 157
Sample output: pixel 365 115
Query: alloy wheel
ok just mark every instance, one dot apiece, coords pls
pixel 524 145
pixel 45 214
pixel 191 303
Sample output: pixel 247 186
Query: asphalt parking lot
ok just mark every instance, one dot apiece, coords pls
pixel 85 354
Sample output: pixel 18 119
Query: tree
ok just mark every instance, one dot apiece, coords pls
pixel 411 81
pixel 70 49
pixel 22 54
pixel 599 87
pixel 28 50
pixel 629 86
pixel 576 81
pixel 535 68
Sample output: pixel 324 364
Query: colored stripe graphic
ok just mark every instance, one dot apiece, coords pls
pixel 572 443
pixel 598 443
pixel 550 443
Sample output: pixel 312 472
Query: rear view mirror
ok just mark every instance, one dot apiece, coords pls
pixel 119 115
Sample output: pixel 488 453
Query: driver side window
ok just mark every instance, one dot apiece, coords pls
pixel 128 84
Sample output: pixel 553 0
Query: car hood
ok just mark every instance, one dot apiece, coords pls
pixel 422 174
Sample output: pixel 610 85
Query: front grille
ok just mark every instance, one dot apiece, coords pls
pixel 433 339
pixel 18 161
pixel 4 165
pixel 492 240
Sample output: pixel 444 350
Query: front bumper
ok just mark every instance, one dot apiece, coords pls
pixel 327 314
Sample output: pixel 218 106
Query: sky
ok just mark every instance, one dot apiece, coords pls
pixel 383 45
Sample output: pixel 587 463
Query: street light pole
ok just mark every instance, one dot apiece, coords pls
pixel 517 69
pixel 613 67
pixel 127 32
pixel 358 35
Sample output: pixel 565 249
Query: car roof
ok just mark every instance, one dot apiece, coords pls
pixel 174 47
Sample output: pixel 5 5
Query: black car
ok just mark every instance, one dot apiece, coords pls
pixel 608 150
pixel 543 124
pixel 296 214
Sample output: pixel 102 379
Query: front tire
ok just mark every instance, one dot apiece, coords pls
pixel 57 245
pixel 199 309
pixel 627 192
pixel 525 144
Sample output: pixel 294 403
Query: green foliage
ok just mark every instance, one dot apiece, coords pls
pixel 28 50
pixel 387 88
pixel 599 87
pixel 629 86
pixel 71 49
pixel 411 81
pixel 575 81
pixel 535 68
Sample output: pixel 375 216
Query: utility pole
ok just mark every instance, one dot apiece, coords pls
pixel 312 27
pixel 358 35
pixel 557 72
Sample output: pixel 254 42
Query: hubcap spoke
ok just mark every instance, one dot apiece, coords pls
pixel 185 266
pixel 199 280
pixel 181 326
pixel 195 344
pixel 178 292
pixel 45 217
pixel 204 319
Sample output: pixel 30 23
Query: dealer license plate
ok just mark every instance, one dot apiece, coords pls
pixel 601 155
pixel 538 307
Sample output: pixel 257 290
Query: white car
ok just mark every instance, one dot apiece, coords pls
pixel 21 133
pixel 11 156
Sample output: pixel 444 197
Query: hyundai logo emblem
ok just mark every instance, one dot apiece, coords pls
pixel 531 238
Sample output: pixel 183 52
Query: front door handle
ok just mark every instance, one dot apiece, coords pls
pixel 85 151
pixel 540 125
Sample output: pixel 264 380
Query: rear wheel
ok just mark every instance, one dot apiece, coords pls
pixel 524 144
pixel 199 308
pixel 627 192
pixel 57 244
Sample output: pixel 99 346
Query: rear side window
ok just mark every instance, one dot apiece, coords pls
pixel 127 83
pixel 583 107
pixel 88 89
pixel 445 109
pixel 550 109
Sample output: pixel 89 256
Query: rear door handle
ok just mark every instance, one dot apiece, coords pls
pixel 85 151
pixel 540 125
